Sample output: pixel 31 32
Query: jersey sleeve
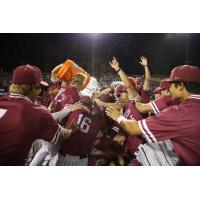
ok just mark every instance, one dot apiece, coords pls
pixel 145 95
pixel 160 104
pixel 48 129
pixel 162 126
pixel 74 119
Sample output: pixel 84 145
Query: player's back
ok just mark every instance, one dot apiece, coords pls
pixel 188 141
pixel 18 120
pixel 88 125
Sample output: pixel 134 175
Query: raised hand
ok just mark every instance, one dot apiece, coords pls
pixel 114 64
pixel 144 61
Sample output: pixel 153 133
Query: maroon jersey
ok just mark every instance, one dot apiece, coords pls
pixel 67 95
pixel 43 100
pixel 53 90
pixel 132 142
pixel 131 112
pixel 39 101
pixel 180 124
pixel 21 123
pixel 46 99
pixel 80 142
pixel 163 102
pixel 145 95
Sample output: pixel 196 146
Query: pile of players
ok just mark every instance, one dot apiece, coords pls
pixel 118 125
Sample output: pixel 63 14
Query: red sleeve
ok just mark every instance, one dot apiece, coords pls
pixel 48 129
pixel 145 95
pixel 163 126
pixel 160 104
pixel 74 118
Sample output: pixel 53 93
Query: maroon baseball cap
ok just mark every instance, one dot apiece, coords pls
pixel 132 81
pixel 164 84
pixel 86 100
pixel 108 98
pixel 157 90
pixel 186 73
pixel 119 89
pixel 26 75
pixel 44 84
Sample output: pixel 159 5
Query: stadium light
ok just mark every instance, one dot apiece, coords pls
pixel 94 36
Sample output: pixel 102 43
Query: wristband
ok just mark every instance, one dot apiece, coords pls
pixel 118 70
pixel 120 118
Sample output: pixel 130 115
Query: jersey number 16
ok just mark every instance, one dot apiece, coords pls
pixel 84 123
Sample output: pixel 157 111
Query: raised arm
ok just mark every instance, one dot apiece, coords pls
pixel 144 63
pixel 97 95
pixel 130 89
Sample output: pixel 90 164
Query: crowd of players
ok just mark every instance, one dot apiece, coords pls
pixel 66 124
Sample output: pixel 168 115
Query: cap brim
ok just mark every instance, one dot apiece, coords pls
pixel 44 83
pixel 168 80
pixel 157 90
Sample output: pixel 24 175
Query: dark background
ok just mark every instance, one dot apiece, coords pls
pixel 46 50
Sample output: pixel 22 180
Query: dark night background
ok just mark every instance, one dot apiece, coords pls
pixel 46 50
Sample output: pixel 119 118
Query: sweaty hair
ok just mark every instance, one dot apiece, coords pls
pixel 190 86
pixel 21 89
pixel 77 79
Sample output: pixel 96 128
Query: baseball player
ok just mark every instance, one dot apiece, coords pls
pixel 164 101
pixel 173 133
pixel 22 121
pixel 76 150
pixel 130 111
pixel 44 97
pixel 42 152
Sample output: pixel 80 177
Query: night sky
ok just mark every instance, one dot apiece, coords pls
pixel 164 51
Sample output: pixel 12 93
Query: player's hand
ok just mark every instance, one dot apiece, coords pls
pixel 98 102
pixel 120 139
pixel 76 106
pixel 66 133
pixel 121 160
pixel 144 61
pixel 114 64
pixel 113 113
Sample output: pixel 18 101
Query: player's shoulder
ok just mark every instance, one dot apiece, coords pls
pixel 166 98
pixel 172 112
pixel 41 111
pixel 76 113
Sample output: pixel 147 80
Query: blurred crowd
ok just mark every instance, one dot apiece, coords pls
pixel 104 81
